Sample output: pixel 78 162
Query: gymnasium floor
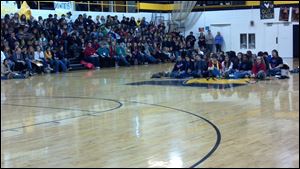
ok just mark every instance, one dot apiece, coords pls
pixel 96 119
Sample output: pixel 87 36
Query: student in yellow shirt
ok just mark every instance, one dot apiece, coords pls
pixel 50 59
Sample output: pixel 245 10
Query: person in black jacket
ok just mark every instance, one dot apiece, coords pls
pixel 61 56
pixel 201 41
pixel 19 60
pixel 236 60
pixel 179 68
pixel 132 22
pixel 244 68
pixel 200 67
pixel 191 39
pixel 266 59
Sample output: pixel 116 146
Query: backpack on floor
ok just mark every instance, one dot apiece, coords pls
pixel 285 70
pixel 295 70
pixel 87 65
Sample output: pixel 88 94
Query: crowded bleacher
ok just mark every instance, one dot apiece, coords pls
pixel 45 45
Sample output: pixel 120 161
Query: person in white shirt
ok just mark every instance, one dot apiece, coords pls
pixel 39 56
pixel 227 66
pixel 2 57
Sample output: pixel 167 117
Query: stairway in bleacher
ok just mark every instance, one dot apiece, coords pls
pixel 75 64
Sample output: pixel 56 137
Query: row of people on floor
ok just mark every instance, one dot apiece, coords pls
pixel 228 65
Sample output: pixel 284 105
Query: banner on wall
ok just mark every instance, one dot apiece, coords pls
pixel 284 14
pixel 8 7
pixel 63 7
pixel 295 14
pixel 68 6
pixel 266 10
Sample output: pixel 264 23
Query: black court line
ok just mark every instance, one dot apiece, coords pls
pixel 45 107
pixel 91 113
pixel 218 133
pixel 213 149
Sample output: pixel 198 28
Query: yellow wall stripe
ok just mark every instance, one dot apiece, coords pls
pixel 257 3
pixel 285 2
pixel 157 7
pixel 170 7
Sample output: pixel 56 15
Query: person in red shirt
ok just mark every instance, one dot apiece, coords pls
pixel 91 56
pixel 259 69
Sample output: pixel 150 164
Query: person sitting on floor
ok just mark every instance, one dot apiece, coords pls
pixel 276 63
pixel 244 68
pixel 189 68
pixel 227 67
pixel 179 68
pixel 259 70
pixel 7 73
pixel 201 67
pixel 267 61
pixel 214 67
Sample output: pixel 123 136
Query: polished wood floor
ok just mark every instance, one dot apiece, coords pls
pixel 93 119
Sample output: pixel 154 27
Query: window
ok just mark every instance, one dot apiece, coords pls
pixel 247 44
pixel 251 40
pixel 243 41
pixel 19 4
pixel 120 6
pixel 106 6
pixel 132 6
pixel 46 5
pixel 33 4
pixel 95 6
pixel 81 6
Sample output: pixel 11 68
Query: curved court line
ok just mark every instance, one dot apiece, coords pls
pixel 53 121
pixel 218 133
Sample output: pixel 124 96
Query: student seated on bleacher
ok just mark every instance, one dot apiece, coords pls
pixel 104 57
pixel 61 58
pixel 40 57
pixel 19 60
pixel 53 61
pixel 91 56
pixel 121 54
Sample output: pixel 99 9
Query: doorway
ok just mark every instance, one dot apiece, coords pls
pixel 225 30
pixel 295 41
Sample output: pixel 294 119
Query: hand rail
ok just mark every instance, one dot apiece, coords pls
pixel 88 3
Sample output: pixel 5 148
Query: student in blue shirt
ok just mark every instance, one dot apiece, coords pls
pixel 218 42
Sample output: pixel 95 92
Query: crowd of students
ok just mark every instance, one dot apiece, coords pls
pixel 229 65
pixel 47 45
